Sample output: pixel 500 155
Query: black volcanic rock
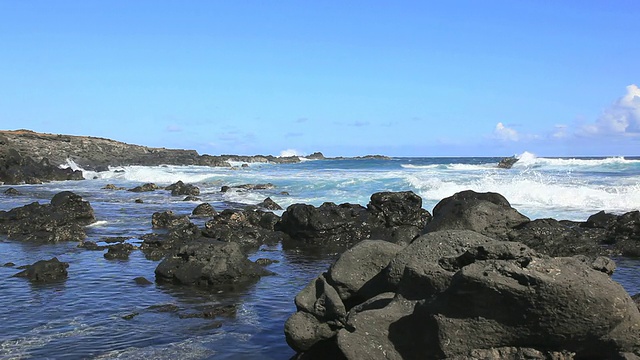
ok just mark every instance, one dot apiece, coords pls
pixel 144 188
pixel 508 162
pixel 487 213
pixel 269 204
pixel 16 168
pixel 208 263
pixel 12 191
pixel 45 271
pixel 457 294
pixel 61 220
pixel 397 217
pixel 180 188
pixel 204 209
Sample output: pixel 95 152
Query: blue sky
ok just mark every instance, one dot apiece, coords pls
pixel 403 78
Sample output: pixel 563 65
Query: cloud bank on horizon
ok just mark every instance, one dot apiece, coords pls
pixel 619 120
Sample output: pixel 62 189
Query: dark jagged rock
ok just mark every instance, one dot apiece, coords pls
pixel 167 219
pixel 45 271
pixel 180 188
pixel 16 168
pixel 209 263
pixel 265 261
pixel 327 224
pixel 457 294
pixel 508 162
pixel 269 204
pixel 191 198
pixel 397 216
pixel 245 187
pixel 249 229
pixel 392 216
pixel 487 213
pixel 142 281
pixel 621 232
pixel 112 187
pixel 554 238
pixel 204 209
pixel 12 191
pixel 315 156
pixel 61 220
pixel 119 251
pixel 180 231
pixel 91 245
pixel 145 188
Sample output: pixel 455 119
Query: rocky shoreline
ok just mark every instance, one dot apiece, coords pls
pixel 473 279
pixel 476 279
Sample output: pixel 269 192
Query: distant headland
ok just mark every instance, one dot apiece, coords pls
pixel 30 157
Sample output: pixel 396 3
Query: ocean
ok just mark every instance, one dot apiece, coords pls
pixel 84 316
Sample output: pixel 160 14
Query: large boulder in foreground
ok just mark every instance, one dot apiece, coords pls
pixel 397 217
pixel 208 263
pixel 61 220
pixel 458 294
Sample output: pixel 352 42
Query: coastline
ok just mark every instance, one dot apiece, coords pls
pixel 127 244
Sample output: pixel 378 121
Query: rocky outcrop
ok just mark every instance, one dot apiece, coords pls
pixel 145 188
pixel 18 168
pixel 245 187
pixel 94 153
pixel 508 162
pixel 621 232
pixel 180 188
pixel 61 220
pixel 459 294
pixel 204 210
pixel 393 216
pixel 487 213
pixel 248 228
pixel 557 238
pixel 208 263
pixel 45 271
pixel 269 204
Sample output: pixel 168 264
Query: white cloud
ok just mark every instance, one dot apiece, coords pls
pixel 504 133
pixel 560 132
pixel 621 118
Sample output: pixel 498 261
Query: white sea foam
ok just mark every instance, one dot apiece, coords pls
pixel 527 159
pixel 98 223
pixel 539 194
pixel 289 152
pixel 164 174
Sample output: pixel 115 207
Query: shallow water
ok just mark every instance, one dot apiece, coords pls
pixel 82 317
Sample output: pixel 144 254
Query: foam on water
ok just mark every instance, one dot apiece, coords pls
pixel 567 197
pixel 163 174
pixel 528 159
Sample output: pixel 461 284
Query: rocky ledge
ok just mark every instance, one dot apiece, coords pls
pixel 94 153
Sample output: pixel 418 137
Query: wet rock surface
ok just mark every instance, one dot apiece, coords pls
pixel 63 219
pixel 45 271
pixel 397 217
pixel 458 294
pixel 17 167
pixel 209 264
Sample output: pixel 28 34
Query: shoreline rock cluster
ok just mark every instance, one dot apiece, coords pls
pixel 475 279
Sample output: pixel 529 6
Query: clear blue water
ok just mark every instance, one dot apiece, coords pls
pixel 82 316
